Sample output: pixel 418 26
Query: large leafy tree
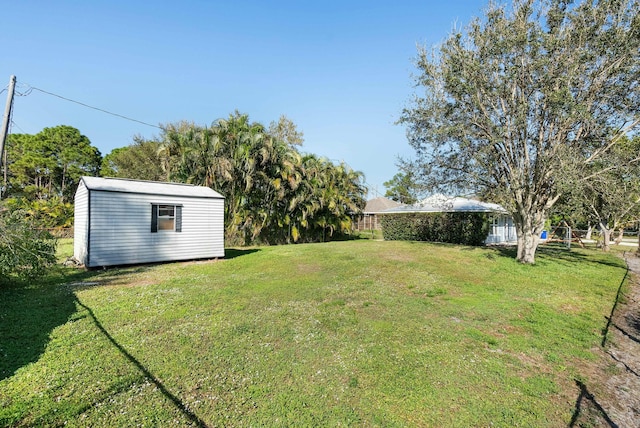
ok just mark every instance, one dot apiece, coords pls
pixel 42 172
pixel 30 167
pixel 285 130
pixel 611 197
pixel 16 145
pixel 402 188
pixel 139 161
pixel 522 103
pixel 50 163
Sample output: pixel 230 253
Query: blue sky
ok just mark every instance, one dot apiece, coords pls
pixel 341 70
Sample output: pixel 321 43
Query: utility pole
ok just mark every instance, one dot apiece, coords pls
pixel 5 120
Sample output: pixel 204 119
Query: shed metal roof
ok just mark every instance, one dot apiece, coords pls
pixel 149 187
pixel 442 203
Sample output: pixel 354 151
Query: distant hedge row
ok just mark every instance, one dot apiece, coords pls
pixel 456 228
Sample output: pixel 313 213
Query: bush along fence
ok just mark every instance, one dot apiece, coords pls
pixel 467 228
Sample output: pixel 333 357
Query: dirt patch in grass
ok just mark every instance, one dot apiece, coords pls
pixel 569 308
pixel 610 395
pixel 305 269
pixel 399 257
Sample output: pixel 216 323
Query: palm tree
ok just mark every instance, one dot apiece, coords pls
pixel 272 192
pixel 247 149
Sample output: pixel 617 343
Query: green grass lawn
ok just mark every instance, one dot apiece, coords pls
pixel 64 249
pixel 356 333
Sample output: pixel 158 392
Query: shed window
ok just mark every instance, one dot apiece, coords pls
pixel 166 217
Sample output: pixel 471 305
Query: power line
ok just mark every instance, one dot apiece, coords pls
pixel 371 189
pixel 14 124
pixel 31 88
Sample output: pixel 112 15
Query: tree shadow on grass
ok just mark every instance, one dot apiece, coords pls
pixel 232 253
pixel 145 372
pixel 30 311
pixel 605 331
pixel 633 321
pixel 587 410
pixel 558 253
pixel 28 314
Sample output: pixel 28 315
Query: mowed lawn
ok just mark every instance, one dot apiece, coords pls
pixel 358 333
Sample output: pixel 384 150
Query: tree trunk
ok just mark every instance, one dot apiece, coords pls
pixel 589 230
pixel 62 185
pixel 606 236
pixel 620 235
pixel 528 226
pixel 527 245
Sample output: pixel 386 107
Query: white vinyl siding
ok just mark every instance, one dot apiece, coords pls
pixel 502 230
pixel 120 228
pixel 80 227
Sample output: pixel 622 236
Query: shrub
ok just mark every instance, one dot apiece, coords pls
pixel 25 251
pixel 467 228
pixel 46 213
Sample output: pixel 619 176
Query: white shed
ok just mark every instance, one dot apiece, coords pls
pixel 120 222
